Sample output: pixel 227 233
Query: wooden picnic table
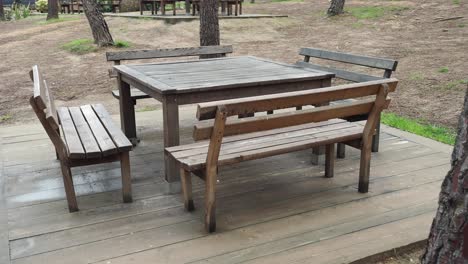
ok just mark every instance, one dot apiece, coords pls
pixel 189 82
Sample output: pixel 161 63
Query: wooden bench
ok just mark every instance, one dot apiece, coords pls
pixel 236 140
pixel 113 5
pixel 89 137
pixel 388 65
pixel 118 57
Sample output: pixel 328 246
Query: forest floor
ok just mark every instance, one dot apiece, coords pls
pixel 432 52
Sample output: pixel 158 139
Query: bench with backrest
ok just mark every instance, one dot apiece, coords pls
pixel 388 65
pixel 225 141
pixel 118 57
pixel 89 137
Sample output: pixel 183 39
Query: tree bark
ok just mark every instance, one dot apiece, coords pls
pixel 2 12
pixel 52 9
pixel 101 33
pixel 336 7
pixel 209 24
pixel 449 230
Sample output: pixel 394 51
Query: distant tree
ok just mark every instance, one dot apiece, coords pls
pixel 336 7
pixel 2 12
pixel 209 23
pixel 448 237
pixel 52 9
pixel 101 33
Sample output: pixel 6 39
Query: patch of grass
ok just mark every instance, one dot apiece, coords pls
pixel 461 25
pixel 122 44
pixel 357 25
pixel 456 2
pixel 457 84
pixel 57 20
pixel 373 12
pixel 443 69
pixel 4 118
pixel 80 46
pixel 416 76
pixel 146 109
pixel 439 133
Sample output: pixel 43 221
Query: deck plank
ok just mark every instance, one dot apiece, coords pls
pixel 274 210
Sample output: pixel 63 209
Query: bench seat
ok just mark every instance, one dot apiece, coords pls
pixel 135 94
pixel 90 133
pixel 238 148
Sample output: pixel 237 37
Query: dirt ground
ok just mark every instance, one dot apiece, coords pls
pixel 414 36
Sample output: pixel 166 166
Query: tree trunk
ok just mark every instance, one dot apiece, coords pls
pixel 446 243
pixel 2 12
pixel 209 24
pixel 336 7
pixel 101 34
pixel 52 9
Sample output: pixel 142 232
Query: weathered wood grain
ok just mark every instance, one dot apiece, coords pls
pixel 84 132
pixel 70 134
pixel 293 99
pixel 350 58
pixel 167 53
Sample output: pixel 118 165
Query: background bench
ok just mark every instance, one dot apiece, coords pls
pixel 388 65
pixel 228 142
pixel 202 52
pixel 89 137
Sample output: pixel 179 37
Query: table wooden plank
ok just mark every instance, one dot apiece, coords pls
pixel 100 133
pixel 224 73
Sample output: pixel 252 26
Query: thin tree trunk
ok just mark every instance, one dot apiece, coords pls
pixel 52 9
pixel 101 33
pixel 336 7
pixel 209 24
pixel 449 230
pixel 2 12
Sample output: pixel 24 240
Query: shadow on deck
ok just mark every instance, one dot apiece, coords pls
pixel 274 210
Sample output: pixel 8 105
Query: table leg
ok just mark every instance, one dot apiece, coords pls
pixel 223 8
pixel 171 138
pixel 187 7
pixel 127 111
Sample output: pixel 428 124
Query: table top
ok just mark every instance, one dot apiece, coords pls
pixel 215 74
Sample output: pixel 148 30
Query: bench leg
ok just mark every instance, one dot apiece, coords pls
pixel 364 169
pixel 69 189
pixel 126 177
pixel 376 137
pixel 210 200
pixel 56 152
pixel 329 160
pixel 341 150
pixel 186 180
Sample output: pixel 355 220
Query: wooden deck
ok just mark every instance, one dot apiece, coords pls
pixel 275 210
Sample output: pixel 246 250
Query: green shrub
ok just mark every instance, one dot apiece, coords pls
pixel 41 6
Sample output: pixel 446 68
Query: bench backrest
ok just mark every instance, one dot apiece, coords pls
pixel 117 57
pixel 215 131
pixel 388 65
pixel 43 104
